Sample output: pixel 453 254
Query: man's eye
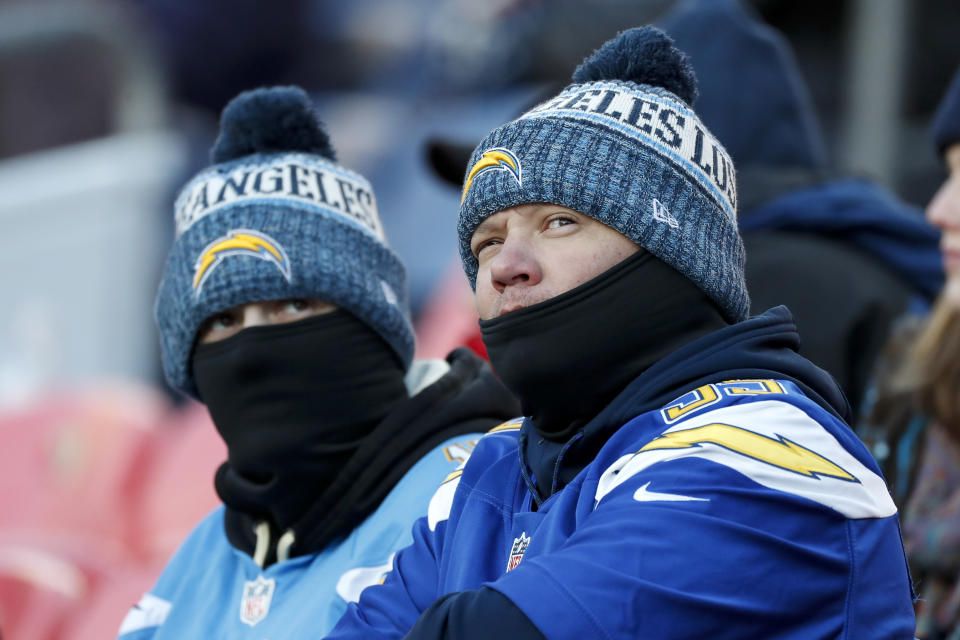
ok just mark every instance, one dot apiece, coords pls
pixel 222 321
pixel 296 305
pixel 484 245
pixel 219 326
pixel 559 221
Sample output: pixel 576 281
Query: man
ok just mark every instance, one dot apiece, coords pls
pixel 681 472
pixel 844 254
pixel 283 309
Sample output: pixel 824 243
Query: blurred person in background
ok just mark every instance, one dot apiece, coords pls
pixel 843 253
pixel 915 422
pixel 679 459
pixel 283 309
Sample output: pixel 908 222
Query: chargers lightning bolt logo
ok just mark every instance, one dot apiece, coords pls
pixel 245 242
pixel 780 452
pixel 497 159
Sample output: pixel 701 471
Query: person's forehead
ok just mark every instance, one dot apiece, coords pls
pixel 490 222
pixel 498 218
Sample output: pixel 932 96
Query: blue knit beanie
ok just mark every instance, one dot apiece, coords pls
pixel 275 218
pixel 752 96
pixel 622 146
pixel 946 122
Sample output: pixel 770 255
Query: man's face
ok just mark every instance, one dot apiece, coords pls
pixel 533 252
pixel 944 213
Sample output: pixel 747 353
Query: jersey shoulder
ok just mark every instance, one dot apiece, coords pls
pixel 496 443
pixel 717 395
pixel 205 551
pixel 509 430
pixel 501 440
pixel 766 431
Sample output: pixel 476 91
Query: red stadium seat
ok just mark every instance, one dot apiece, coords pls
pixel 179 491
pixel 104 608
pixel 77 461
pixel 46 580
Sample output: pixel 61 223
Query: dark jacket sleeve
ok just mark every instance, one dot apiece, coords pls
pixel 456 615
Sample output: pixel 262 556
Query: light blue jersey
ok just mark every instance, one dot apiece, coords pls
pixel 212 590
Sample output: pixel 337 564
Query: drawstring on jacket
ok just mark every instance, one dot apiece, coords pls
pixel 284 543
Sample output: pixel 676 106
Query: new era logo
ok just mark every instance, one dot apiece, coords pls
pixel 662 214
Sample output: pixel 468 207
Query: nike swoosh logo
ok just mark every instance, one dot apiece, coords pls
pixel 644 495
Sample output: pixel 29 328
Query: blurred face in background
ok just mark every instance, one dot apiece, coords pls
pixel 944 213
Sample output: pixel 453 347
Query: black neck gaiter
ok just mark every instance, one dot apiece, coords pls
pixel 293 402
pixel 566 358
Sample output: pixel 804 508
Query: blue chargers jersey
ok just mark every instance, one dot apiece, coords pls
pixel 741 509
pixel 212 590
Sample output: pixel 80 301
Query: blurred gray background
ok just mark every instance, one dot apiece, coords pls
pixel 106 107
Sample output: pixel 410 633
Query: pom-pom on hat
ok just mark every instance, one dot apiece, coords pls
pixel 623 146
pixel 275 217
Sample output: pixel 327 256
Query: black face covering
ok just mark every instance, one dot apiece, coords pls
pixel 566 358
pixel 293 402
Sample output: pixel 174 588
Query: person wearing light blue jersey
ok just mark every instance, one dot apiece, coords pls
pixel 284 310
pixel 681 472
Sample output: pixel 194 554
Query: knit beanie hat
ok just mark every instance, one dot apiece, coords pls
pixel 622 145
pixel 946 122
pixel 275 217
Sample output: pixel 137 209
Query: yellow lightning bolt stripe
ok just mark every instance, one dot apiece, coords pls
pixel 777 452
pixel 451 476
pixel 492 158
pixel 238 241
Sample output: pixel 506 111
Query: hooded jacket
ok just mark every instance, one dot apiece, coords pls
pixel 728 499
pixel 345 541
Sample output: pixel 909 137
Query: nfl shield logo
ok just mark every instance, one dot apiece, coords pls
pixel 517 550
pixel 255 603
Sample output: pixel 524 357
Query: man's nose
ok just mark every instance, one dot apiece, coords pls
pixel 515 264
pixel 944 209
